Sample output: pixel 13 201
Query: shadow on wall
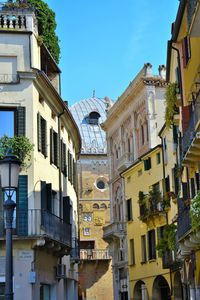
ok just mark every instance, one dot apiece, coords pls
pixel 90 273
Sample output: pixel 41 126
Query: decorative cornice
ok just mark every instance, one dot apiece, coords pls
pixel 155 82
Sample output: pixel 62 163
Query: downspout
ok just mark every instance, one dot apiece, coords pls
pixel 59 168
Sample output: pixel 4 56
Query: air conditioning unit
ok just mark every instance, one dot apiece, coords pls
pixel 60 271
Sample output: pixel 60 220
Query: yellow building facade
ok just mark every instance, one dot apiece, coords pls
pixel 149 274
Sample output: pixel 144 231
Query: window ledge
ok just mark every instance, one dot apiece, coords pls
pixel 152 260
pixel 143 262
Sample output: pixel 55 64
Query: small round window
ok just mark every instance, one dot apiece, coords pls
pixel 101 184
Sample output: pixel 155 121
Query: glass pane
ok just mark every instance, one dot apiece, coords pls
pixel 2 291
pixel 7 123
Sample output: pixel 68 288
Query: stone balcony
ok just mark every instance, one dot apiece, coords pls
pixel 114 230
pixel 125 161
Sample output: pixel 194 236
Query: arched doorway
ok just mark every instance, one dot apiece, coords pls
pixel 178 289
pixel 161 290
pixel 140 291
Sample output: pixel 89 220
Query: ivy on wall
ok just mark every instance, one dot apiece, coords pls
pixel 46 27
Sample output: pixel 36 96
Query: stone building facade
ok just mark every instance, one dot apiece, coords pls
pixel 95 273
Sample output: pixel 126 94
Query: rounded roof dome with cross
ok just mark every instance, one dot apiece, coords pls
pixel 89 114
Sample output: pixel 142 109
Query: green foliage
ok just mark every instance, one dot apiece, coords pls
pixel 168 241
pixel 46 27
pixel 195 212
pixel 20 146
pixel 155 194
pixel 171 101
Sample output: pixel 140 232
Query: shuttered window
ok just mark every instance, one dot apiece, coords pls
pixel 143 248
pixel 186 50
pixel 21 121
pixel 66 210
pixel 129 210
pixel 132 251
pixel 54 148
pixel 46 196
pixel 42 134
pixel 151 244
pixel 63 159
pixel 167 184
pixel 147 164
pixel 22 206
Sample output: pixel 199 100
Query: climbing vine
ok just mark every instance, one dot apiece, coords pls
pixel 46 27
pixel 171 101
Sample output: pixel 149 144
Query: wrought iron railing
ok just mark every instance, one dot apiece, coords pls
pixel 184 221
pixel 37 223
pixel 9 78
pixel 94 254
pixel 189 133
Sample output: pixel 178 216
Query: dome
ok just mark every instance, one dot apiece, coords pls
pixel 88 115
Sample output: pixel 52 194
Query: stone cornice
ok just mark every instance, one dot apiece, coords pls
pixel 155 82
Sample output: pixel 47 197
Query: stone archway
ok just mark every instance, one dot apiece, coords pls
pixel 161 290
pixel 140 291
pixel 178 289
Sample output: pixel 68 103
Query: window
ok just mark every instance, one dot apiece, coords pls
pixel 70 166
pixel 140 172
pixel 42 134
pixel 101 184
pixel 142 135
pixel 165 149
pixel 2 290
pixel 54 146
pixel 143 248
pixel 167 184
pixel 147 164
pixel 63 159
pixel 132 252
pixel 103 205
pixel 13 121
pixel 86 231
pixel 45 291
pixel 186 50
pixel 87 217
pixel 93 118
pixel 151 244
pixel 128 179
pixel 96 206
pixel 129 209
pixel 158 158
pixel 160 233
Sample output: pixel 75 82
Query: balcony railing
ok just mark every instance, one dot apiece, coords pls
pixel 125 161
pixel 184 221
pixel 40 223
pixel 9 78
pixel 13 20
pixel 94 254
pixel 190 133
pixel 152 208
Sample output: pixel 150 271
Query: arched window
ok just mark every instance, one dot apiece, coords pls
pixel 103 205
pixel 96 206
pixel 142 134
pixel 93 118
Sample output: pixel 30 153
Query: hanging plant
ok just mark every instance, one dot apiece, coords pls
pixel 195 213
pixel 168 241
pixel 171 103
pixel 19 146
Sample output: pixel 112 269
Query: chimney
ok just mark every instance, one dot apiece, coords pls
pixel 148 70
pixel 162 71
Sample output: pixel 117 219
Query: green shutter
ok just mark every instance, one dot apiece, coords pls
pixel 39 132
pixel 58 152
pixel 21 121
pixel 49 197
pixel 22 206
pixel 43 195
pixel 44 136
pixel 64 159
pixel 149 163
pixel 145 164
pixel 51 146
pixel 66 209
pixel 68 158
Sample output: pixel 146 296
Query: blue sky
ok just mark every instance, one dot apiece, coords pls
pixel 104 44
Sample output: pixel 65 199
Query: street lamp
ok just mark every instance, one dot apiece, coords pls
pixel 9 172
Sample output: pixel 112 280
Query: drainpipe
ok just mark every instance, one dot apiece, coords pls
pixel 59 168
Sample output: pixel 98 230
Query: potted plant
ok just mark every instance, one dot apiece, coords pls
pixel 19 146
pixel 168 241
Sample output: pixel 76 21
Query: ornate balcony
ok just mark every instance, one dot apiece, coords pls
pixel 191 137
pixel 37 223
pixel 94 254
pixel 125 161
pixel 113 230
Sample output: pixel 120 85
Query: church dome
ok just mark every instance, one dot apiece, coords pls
pixel 89 114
